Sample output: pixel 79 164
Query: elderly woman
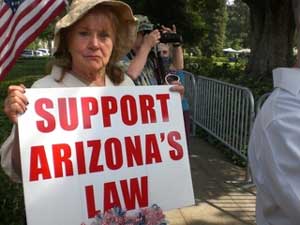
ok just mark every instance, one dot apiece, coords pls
pixel 89 40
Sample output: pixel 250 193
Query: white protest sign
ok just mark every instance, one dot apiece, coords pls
pixel 90 149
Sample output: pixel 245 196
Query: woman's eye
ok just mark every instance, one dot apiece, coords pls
pixel 83 33
pixel 103 34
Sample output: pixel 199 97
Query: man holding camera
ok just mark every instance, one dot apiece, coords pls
pixel 143 63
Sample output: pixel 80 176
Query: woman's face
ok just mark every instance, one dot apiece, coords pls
pixel 90 43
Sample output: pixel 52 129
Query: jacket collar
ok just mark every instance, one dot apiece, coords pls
pixel 287 79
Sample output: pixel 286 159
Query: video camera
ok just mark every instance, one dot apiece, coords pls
pixel 170 38
pixel 166 37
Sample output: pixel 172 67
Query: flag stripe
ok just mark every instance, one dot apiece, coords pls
pixel 19 50
pixel 24 23
pixel 26 30
pixel 18 21
pixel 4 24
pixel 3 10
pixel 37 21
pixel 16 15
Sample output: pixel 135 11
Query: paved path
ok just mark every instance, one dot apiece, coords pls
pixel 218 202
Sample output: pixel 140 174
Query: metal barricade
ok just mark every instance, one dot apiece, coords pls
pixel 261 101
pixel 225 111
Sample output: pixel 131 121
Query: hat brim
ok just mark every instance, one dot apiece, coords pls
pixel 145 29
pixel 124 14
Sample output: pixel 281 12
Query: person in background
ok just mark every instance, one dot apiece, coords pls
pixel 172 56
pixel 149 60
pixel 166 52
pixel 141 63
pixel 89 41
pixel 274 148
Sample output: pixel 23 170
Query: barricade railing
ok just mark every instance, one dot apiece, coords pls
pixel 225 111
pixel 261 101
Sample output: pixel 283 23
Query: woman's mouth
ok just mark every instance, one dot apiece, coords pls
pixel 92 56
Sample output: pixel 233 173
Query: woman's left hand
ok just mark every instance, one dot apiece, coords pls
pixel 168 30
pixel 178 87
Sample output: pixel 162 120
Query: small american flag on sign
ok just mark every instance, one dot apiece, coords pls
pixel 21 21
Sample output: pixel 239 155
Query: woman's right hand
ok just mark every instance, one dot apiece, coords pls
pixel 152 38
pixel 15 103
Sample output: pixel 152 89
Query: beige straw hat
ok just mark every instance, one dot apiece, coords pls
pixel 128 27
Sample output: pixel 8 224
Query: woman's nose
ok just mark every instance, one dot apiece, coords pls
pixel 94 41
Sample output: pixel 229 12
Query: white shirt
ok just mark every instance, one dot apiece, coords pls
pixel 46 82
pixel 274 152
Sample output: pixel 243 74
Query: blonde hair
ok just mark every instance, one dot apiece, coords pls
pixel 63 58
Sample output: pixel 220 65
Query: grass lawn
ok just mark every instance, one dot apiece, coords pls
pixel 34 66
pixel 25 71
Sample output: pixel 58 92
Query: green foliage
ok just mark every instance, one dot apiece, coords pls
pixel 34 45
pixel 11 202
pixel 11 194
pixel 219 68
pixel 215 16
pixel 209 25
pixel 238 25
pixel 28 66
pixel 168 12
pixel 201 22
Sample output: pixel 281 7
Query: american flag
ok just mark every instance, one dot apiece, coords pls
pixel 21 21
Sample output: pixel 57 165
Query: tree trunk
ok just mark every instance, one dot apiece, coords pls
pixel 272 35
pixel 49 44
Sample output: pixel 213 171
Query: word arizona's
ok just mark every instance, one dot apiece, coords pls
pixel 69 160
pixel 73 113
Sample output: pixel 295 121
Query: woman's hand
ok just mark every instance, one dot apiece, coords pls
pixel 152 38
pixel 178 87
pixel 168 30
pixel 15 103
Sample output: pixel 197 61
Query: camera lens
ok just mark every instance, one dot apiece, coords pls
pixel 170 78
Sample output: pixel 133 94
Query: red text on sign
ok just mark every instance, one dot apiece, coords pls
pixel 131 110
pixel 133 191
pixel 115 155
